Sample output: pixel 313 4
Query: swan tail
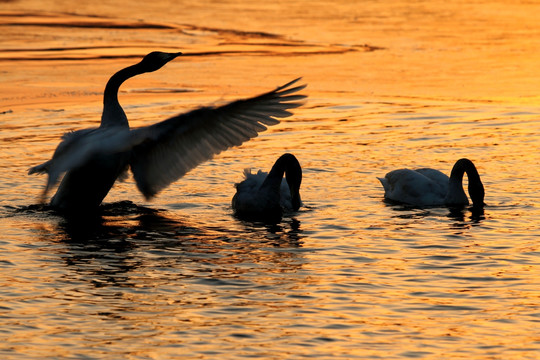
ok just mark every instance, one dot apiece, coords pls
pixel 40 169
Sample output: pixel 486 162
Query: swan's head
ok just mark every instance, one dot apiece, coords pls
pixel 476 192
pixel 293 175
pixel 156 60
pixel 476 188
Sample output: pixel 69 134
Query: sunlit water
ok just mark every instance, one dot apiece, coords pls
pixel 391 85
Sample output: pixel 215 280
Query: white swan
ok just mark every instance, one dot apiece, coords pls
pixel 425 187
pixel 265 196
pixel 157 154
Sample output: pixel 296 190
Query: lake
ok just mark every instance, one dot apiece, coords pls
pixel 393 84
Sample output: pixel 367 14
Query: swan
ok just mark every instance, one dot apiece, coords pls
pixel 159 154
pixel 265 196
pixel 425 187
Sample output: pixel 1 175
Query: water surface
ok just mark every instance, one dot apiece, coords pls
pixel 391 84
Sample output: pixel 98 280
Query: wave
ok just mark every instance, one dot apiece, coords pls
pixel 136 37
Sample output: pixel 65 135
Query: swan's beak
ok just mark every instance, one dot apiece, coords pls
pixel 174 55
pixel 296 202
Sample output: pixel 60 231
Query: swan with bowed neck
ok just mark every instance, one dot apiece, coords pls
pixel 429 187
pixel 265 196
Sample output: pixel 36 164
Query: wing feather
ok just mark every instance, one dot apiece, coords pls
pixel 175 146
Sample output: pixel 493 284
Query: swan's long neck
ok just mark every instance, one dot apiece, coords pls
pixel 456 194
pixel 289 165
pixel 113 114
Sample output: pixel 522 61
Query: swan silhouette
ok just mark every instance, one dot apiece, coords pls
pixel 428 187
pixel 265 196
pixel 93 159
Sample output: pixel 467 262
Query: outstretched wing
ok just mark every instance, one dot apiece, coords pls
pixel 177 145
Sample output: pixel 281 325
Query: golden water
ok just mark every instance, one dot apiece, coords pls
pixel 391 84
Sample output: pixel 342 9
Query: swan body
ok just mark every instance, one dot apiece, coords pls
pixel 265 196
pixel 159 154
pixel 430 187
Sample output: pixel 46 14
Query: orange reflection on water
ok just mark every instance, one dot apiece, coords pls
pixel 390 85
